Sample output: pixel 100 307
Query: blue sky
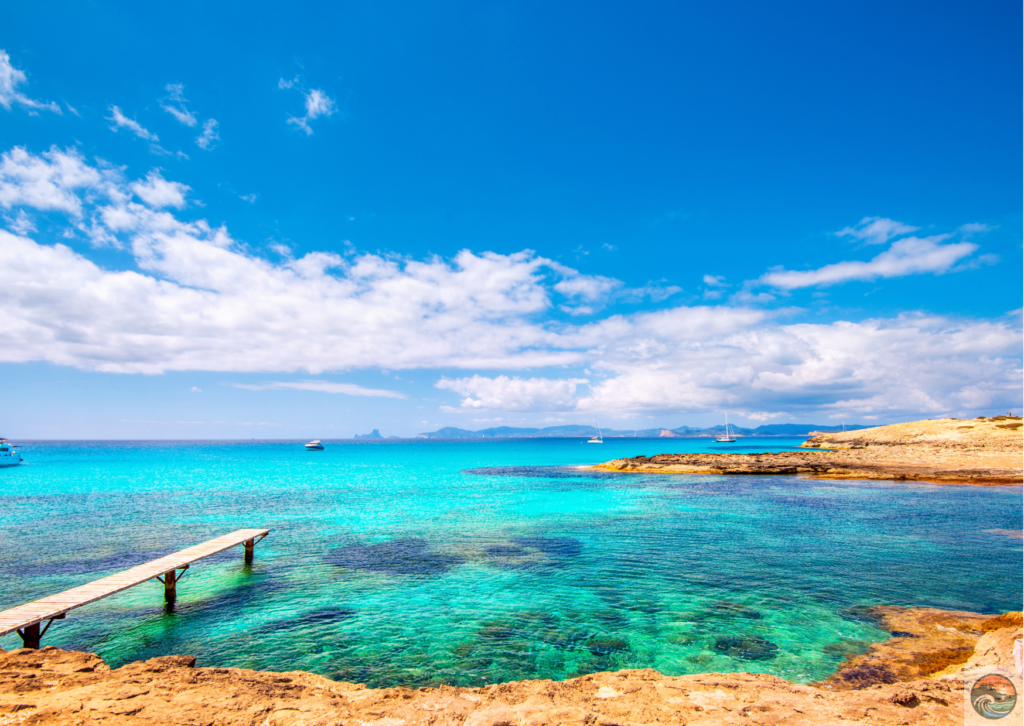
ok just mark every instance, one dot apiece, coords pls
pixel 258 221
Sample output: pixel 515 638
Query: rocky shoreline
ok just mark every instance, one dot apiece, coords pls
pixel 916 677
pixel 983 451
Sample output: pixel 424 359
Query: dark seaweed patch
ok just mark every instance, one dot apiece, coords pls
pixel 748 648
pixel 397 557
pixel 506 551
pixel 552 546
pixel 862 614
pixel 606 646
pixel 309 620
pixel 728 607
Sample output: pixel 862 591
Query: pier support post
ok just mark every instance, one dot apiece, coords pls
pixel 250 544
pixel 171 586
pixel 170 580
pixel 30 636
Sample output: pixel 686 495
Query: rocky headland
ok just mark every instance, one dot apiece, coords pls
pixel 916 677
pixel 982 451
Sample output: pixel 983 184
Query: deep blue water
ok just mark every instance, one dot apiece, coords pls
pixel 427 562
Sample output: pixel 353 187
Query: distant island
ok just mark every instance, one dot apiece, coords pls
pixel 553 432
pixel 375 434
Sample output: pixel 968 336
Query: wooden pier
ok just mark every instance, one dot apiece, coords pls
pixel 27 619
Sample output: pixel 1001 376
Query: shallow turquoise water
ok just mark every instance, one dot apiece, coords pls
pixel 464 563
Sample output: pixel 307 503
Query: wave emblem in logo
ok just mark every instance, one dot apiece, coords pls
pixel 993 696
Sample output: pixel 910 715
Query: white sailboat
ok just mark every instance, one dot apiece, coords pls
pixel 599 439
pixel 727 439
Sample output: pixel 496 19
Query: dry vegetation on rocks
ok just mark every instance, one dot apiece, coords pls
pixel 980 451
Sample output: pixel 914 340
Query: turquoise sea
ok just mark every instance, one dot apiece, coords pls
pixel 417 563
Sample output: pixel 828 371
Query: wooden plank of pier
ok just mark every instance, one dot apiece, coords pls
pixel 27 617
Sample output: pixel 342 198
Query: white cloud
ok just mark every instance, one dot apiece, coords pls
pixel 588 294
pixel 714 280
pixel 514 394
pixel 210 136
pixel 761 415
pixel 284 85
pixel 176 94
pixel 49 182
pixel 21 223
pixel 973 228
pixel 195 389
pixel 182 114
pixel 251 198
pixel 348 389
pixel 121 121
pixel 748 297
pixel 590 288
pixel 911 365
pixel 908 256
pixel 158 192
pixel 10 79
pixel 876 230
pixel 199 300
pixel 318 104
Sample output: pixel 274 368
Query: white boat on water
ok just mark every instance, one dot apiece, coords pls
pixel 599 439
pixel 9 456
pixel 314 445
pixel 727 439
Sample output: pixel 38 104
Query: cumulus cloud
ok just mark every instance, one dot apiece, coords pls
pixel 514 394
pixel 10 79
pixel 348 389
pixel 158 192
pixel 318 104
pixel 210 136
pixel 199 300
pixel 49 182
pixel 121 121
pixel 910 365
pixel 876 230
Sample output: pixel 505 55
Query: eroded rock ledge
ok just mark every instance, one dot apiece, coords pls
pixel 915 678
pixel 952 451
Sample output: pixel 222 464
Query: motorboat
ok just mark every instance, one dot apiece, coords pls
pixel 9 456
pixel 314 445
